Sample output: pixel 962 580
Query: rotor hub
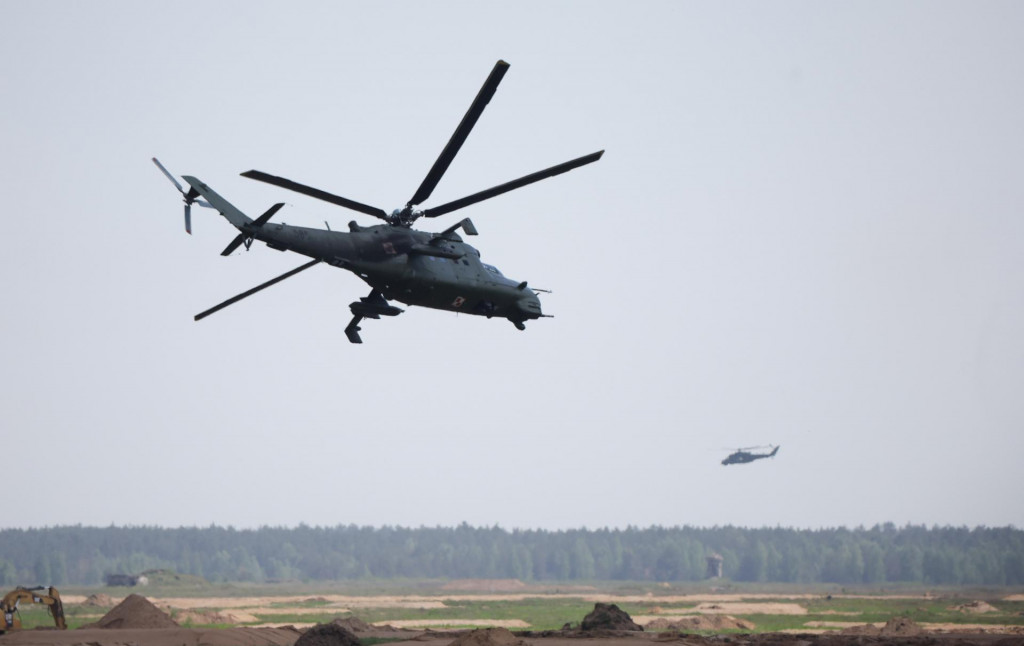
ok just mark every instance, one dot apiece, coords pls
pixel 404 216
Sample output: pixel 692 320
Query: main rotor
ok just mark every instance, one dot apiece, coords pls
pixel 408 214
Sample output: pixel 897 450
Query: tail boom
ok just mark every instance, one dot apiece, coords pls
pixel 227 209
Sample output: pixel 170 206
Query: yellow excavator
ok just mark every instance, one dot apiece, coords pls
pixel 50 598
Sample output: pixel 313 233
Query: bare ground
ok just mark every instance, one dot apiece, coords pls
pixel 715 605
pixel 288 637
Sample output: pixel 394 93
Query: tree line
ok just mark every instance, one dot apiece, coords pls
pixel 77 555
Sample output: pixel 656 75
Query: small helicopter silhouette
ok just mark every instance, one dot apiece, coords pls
pixel 744 455
pixel 435 270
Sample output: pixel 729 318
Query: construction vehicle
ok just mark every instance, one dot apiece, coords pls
pixel 51 599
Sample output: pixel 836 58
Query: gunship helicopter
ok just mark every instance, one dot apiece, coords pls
pixel 435 270
pixel 744 455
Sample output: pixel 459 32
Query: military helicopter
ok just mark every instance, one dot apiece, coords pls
pixel 742 456
pixel 435 270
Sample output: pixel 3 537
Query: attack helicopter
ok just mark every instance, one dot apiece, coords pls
pixel 742 456
pixel 399 263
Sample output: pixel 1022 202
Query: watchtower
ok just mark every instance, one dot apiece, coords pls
pixel 714 566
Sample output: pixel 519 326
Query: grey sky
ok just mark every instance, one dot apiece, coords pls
pixel 806 231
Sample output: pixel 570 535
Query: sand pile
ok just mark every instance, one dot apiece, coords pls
pixel 206 617
pixel 698 623
pixel 99 601
pixel 608 616
pixel 895 627
pixel 135 612
pixel 327 635
pixel 975 607
pixel 488 637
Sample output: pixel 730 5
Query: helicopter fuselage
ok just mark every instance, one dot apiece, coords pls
pixel 743 456
pixel 438 271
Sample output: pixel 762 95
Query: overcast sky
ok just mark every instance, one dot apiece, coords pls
pixel 806 231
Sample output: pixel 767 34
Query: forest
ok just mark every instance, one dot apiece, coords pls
pixel 78 555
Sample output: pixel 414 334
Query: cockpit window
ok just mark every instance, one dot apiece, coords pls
pixel 492 269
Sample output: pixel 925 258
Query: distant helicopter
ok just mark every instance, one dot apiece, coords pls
pixel 742 456
pixel 435 270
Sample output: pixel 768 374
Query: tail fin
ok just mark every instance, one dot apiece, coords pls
pixel 772 454
pixel 227 209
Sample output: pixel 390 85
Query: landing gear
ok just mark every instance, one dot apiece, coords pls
pixel 352 330
pixel 371 307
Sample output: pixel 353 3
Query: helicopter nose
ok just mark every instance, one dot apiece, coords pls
pixel 529 306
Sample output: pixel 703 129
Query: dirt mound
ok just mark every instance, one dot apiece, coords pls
pixel 659 624
pixel 901 627
pixel 700 623
pixel 975 607
pixel 327 635
pixel 99 601
pixel 608 616
pixel 488 637
pixel 895 627
pixel 353 624
pixel 135 612
pixel 866 630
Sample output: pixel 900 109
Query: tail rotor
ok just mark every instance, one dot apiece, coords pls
pixel 189 196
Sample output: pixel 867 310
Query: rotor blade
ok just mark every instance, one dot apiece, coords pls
pixel 239 239
pixel 514 184
pixel 260 221
pixel 169 176
pixel 188 218
pixel 260 176
pixel 274 281
pixel 459 137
